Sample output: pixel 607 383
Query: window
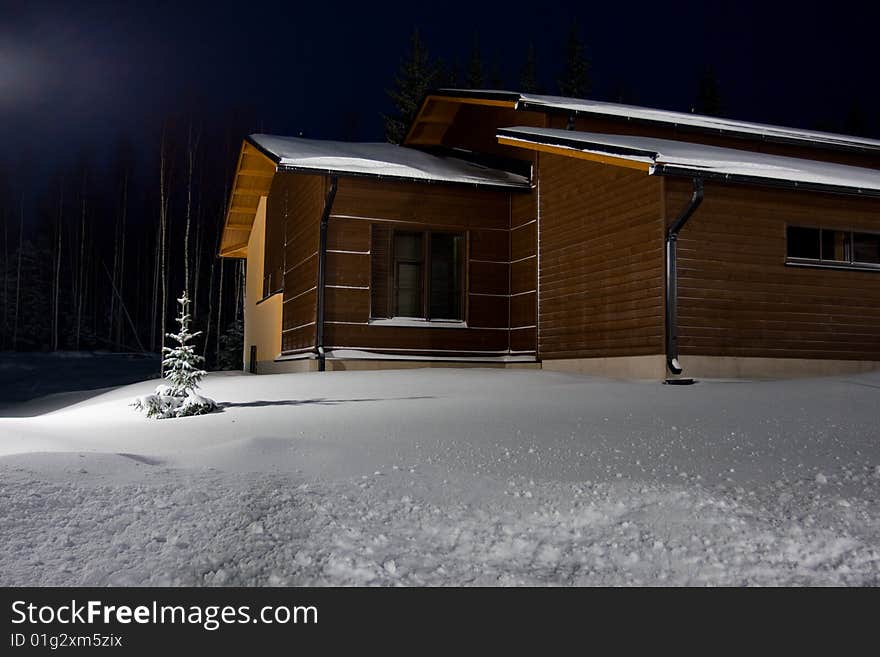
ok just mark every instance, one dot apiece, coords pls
pixel 417 275
pixel 832 247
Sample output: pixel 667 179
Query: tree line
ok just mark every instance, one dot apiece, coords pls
pixel 95 258
pixel 419 72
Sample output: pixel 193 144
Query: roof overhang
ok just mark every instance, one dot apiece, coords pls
pixel 434 118
pixel 253 178
pixel 262 156
pixel 673 158
pixel 631 161
pixel 699 123
pixel 380 160
pixel 439 109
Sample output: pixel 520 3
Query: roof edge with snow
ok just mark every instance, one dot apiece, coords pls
pixel 379 160
pixel 682 120
pixel 675 158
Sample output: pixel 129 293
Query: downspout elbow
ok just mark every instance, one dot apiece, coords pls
pixel 672 362
pixel 322 274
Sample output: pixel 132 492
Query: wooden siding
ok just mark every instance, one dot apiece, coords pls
pixel 368 207
pixel 524 273
pixel 602 263
pixel 738 298
pixel 474 128
pixel 295 204
pixel 441 206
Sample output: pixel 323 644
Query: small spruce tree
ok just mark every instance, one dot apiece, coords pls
pixel 181 362
pixel 178 397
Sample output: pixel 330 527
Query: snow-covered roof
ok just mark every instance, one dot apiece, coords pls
pixel 378 159
pixel 668 157
pixel 692 121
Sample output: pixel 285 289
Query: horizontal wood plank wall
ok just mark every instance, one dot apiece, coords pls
pixel 738 298
pixel 362 203
pixel 607 125
pixel 475 128
pixel 295 203
pixel 602 263
pixel 524 273
pixel 273 260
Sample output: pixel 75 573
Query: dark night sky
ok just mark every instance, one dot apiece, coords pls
pixel 77 74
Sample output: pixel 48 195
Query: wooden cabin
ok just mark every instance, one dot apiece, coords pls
pixel 515 230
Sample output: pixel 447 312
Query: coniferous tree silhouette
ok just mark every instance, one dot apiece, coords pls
pixel 417 75
pixel 475 76
pixel 708 94
pixel 575 79
pixel 528 79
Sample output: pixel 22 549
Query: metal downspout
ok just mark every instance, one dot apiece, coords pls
pixel 672 276
pixel 322 274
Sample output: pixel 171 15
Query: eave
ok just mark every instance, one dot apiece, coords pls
pixel 438 112
pixel 253 178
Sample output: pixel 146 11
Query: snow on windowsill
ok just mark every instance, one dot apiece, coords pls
pixel 831 264
pixel 415 322
pixel 363 354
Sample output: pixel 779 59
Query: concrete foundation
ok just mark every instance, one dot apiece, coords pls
pixel 639 368
pixel 649 368
pixel 739 367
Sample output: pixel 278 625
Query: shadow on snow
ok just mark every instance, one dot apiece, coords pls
pixel 260 403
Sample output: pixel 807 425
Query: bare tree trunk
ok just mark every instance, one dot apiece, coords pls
pixel 214 259
pixel 122 261
pixel 210 310
pixel 197 270
pixel 191 148
pixel 163 223
pixel 5 278
pixel 114 279
pixel 138 281
pixel 57 282
pixel 82 265
pixel 155 288
pixel 18 274
pixel 220 308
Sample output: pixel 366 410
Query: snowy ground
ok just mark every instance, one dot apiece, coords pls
pixel 484 477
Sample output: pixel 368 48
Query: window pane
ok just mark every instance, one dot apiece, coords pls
pixel 866 248
pixel 408 275
pixel 409 290
pixel 408 303
pixel 446 259
pixel 835 245
pixel 802 242
pixel 408 246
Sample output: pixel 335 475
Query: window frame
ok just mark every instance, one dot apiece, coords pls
pixel 425 319
pixel 826 263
